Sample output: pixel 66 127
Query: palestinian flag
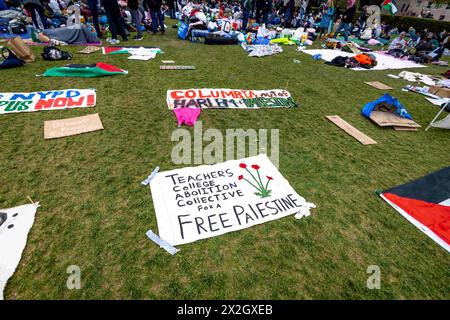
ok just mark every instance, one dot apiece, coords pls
pixel 98 69
pixel 389 6
pixel 425 203
pixel 119 50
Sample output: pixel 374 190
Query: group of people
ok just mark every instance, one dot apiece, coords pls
pixel 328 20
pixel 46 14
pixel 423 47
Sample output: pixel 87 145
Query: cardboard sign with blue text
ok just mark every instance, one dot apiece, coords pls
pixel 206 201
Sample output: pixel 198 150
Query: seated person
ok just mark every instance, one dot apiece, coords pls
pixel 397 45
pixel 198 20
pixel 425 46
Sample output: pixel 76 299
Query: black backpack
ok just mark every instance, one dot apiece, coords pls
pixel 52 53
pixel 10 60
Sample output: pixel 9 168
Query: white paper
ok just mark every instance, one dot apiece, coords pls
pixel 200 202
pixel 13 239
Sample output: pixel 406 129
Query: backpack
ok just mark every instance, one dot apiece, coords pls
pixel 338 61
pixel 183 31
pixel 52 53
pixel 11 60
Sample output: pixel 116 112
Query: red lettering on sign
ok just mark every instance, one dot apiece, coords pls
pixel 174 95
pixel 226 94
pixel 60 102
pixel 190 94
pixel 71 102
pixel 44 104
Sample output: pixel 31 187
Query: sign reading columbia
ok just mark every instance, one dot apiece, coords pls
pixel 229 99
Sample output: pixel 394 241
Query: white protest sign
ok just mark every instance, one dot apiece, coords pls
pixel 13 102
pixel 200 202
pixel 15 223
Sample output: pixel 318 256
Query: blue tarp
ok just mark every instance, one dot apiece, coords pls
pixel 393 105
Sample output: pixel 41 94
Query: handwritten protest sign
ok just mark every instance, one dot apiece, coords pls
pixel 229 99
pixel 13 102
pixel 200 202
pixel 72 126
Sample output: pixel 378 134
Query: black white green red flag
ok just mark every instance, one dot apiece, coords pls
pixel 425 203
pixel 389 5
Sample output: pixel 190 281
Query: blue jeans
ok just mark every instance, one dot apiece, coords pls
pixel 342 25
pixel 137 18
pixel 245 17
pixel 288 15
pixel 157 14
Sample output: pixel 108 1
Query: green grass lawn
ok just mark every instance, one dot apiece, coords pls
pixel 95 213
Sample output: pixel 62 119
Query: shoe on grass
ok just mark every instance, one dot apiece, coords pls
pixel 138 38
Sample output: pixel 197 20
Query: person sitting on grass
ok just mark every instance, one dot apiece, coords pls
pixel 397 45
pixel 427 49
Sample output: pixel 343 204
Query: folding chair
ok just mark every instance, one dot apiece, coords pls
pixel 446 107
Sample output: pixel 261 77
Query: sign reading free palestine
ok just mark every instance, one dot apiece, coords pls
pixel 200 202
pixel 229 99
pixel 13 102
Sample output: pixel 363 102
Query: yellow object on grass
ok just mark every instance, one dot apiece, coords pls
pixel 283 41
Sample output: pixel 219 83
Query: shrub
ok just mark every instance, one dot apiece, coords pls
pixel 403 23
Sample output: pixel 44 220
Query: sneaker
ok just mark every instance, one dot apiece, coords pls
pixel 114 41
pixel 138 38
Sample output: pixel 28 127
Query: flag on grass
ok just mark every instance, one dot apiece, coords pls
pixel 98 69
pixel 425 203
pixel 389 6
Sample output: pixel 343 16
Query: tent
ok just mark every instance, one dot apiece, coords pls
pixel 425 203
pixel 444 123
pixel 99 69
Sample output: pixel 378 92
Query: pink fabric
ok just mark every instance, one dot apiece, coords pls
pixel 187 116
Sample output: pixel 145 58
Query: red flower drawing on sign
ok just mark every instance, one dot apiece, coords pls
pixel 257 183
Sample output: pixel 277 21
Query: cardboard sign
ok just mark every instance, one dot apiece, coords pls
pixel 12 102
pixel 177 67
pixel 349 129
pixel 72 126
pixel 404 129
pixel 387 119
pixel 201 202
pixel 440 91
pixel 229 99
pixel 378 85
pixel 89 50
